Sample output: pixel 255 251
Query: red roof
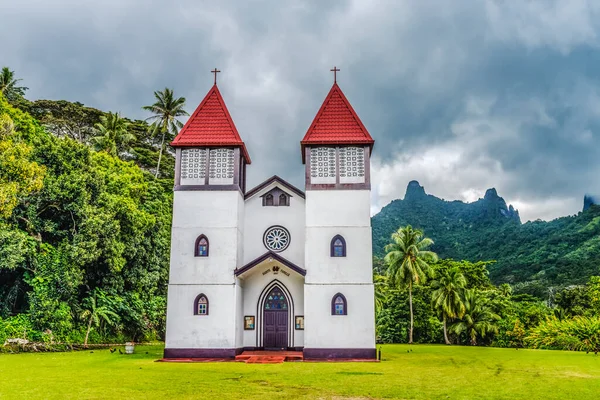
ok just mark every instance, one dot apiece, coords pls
pixel 336 123
pixel 210 126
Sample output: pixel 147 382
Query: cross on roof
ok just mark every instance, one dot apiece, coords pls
pixel 334 70
pixel 215 71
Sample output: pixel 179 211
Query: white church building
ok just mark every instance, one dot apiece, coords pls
pixel 273 267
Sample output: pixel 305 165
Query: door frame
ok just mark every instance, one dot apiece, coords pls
pixel 260 313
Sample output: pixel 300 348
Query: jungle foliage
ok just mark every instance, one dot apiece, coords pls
pixel 480 313
pixel 84 235
pixel 536 258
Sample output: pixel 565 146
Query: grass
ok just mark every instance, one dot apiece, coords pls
pixel 427 372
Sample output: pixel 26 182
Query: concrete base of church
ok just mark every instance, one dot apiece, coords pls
pixel 309 354
pixel 202 353
pixel 332 354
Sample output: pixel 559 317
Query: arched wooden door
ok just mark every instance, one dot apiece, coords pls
pixel 275 317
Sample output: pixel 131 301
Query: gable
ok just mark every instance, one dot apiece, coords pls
pixel 272 183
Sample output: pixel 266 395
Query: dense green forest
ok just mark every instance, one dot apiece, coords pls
pixel 535 257
pixel 84 223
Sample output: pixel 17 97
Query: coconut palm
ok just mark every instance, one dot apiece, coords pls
pixel 408 262
pixel 166 109
pixel 446 297
pixel 94 313
pixel 380 286
pixel 8 85
pixel 478 320
pixel 505 290
pixel 111 134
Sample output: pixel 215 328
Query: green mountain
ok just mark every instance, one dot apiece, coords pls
pixel 532 256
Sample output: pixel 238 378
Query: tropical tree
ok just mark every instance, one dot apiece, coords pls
pixel 505 290
pixel 446 297
pixel 111 134
pixel 94 313
pixel 478 320
pixel 380 285
pixel 166 109
pixel 8 85
pixel 408 262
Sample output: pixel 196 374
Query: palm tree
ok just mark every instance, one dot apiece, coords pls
pixel 112 134
pixel 94 313
pixel 446 296
pixel 407 260
pixel 166 109
pixel 380 286
pixel 8 85
pixel 505 289
pixel 478 319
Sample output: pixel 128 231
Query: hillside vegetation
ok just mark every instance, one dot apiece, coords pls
pixel 531 257
pixel 82 232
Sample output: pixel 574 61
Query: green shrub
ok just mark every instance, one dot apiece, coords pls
pixel 579 333
pixel 17 327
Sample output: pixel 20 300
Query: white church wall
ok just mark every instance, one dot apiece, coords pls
pixel 354 330
pixel 218 216
pixel 200 208
pixel 215 330
pixel 255 283
pixel 356 267
pixel 338 208
pixel 259 218
pixel 239 315
pixel 218 267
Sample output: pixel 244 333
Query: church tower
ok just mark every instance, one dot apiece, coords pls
pixel 208 212
pixel 338 257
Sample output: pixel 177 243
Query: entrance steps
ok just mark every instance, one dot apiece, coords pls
pixel 269 357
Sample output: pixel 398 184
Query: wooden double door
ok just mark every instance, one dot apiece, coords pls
pixel 276 320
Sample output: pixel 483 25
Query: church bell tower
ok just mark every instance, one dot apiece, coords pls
pixel 336 151
pixel 203 316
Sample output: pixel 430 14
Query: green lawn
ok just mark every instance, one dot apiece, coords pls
pixel 428 372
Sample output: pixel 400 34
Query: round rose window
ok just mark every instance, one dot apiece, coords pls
pixel 276 238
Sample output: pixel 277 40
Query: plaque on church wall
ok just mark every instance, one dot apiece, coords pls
pixel 221 167
pixel 193 166
pixel 249 323
pixel 352 164
pixel 299 322
pixel 322 165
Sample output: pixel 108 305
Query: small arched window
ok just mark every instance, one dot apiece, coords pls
pixel 201 305
pixel 338 246
pixel 269 200
pixel 283 200
pixel 201 249
pixel 339 306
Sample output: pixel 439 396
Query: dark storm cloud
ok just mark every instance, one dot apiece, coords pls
pixel 460 95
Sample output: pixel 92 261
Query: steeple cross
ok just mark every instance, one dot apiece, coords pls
pixel 334 70
pixel 215 71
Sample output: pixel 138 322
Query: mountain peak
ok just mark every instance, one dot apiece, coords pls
pixel 491 194
pixel 414 191
pixel 589 200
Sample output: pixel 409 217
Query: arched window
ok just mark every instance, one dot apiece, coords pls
pixel 201 305
pixel 338 246
pixel 201 249
pixel 339 306
pixel 269 200
pixel 283 200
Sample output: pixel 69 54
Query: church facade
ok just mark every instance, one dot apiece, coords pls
pixel 272 267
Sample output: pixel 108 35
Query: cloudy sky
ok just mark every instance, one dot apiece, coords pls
pixel 459 95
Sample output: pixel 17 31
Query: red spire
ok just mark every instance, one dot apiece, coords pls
pixel 336 123
pixel 210 126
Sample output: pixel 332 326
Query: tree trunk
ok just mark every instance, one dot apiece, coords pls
pixel 445 331
pixel 87 334
pixel 410 332
pixel 162 144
